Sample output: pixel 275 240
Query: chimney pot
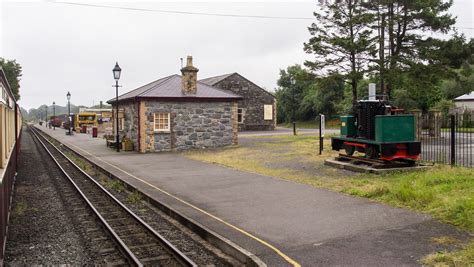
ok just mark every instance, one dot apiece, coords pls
pixel 189 61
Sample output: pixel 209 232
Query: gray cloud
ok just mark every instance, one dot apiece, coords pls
pixel 64 47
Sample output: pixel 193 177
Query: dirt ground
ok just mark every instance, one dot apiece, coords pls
pixel 284 153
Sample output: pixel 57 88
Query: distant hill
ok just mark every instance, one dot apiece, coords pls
pixel 40 112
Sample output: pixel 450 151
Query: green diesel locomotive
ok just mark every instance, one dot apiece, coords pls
pixel 379 130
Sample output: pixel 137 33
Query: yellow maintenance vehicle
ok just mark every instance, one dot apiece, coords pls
pixel 85 119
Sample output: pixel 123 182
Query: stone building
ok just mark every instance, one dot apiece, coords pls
pixel 257 108
pixel 465 102
pixel 178 113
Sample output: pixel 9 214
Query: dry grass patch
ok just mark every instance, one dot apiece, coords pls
pixel 445 240
pixel 461 258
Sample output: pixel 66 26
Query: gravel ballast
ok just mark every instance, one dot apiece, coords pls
pixel 42 230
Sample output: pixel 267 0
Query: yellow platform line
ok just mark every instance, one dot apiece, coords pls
pixel 261 241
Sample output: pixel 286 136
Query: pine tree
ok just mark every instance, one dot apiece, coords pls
pixel 405 39
pixel 341 41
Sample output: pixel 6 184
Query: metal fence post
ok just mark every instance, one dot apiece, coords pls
pixel 322 127
pixel 453 140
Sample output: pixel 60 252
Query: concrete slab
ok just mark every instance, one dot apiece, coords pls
pixel 367 169
pixel 280 221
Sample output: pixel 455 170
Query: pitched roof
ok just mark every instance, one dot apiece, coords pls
pixel 213 80
pixel 469 96
pixel 170 87
pixel 216 79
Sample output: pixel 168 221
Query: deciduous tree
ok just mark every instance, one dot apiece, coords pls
pixel 296 81
pixel 13 73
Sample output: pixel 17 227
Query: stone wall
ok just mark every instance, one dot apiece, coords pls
pixel 130 130
pixel 254 99
pixel 193 125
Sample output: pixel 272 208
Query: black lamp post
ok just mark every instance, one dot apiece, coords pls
pixel 69 111
pixel 116 71
pixel 292 81
pixel 46 116
pixel 54 115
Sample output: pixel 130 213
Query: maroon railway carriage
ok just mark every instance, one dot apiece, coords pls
pixel 10 129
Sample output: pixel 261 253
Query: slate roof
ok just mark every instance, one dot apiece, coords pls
pixel 469 96
pixel 170 88
pixel 213 80
pixel 216 79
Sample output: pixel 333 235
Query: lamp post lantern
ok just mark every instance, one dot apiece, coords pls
pixel 117 71
pixel 69 111
pixel 54 115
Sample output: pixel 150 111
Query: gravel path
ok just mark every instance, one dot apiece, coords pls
pixel 42 231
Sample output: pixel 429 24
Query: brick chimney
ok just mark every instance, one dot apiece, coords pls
pixel 189 79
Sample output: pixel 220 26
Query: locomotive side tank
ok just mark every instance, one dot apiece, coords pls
pixel 378 130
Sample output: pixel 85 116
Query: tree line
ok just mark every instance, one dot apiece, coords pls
pixel 35 114
pixel 408 48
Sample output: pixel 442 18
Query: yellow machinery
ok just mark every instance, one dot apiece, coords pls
pixel 85 118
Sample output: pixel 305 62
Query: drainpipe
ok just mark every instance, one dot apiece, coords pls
pixel 139 125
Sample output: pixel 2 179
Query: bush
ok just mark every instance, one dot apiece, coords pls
pixel 467 119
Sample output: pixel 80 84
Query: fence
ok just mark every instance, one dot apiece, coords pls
pixel 447 139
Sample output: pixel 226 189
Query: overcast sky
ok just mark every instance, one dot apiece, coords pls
pixel 73 48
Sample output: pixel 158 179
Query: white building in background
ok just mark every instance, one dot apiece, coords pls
pixel 465 102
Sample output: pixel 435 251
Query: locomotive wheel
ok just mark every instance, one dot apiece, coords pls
pixel 371 152
pixel 349 150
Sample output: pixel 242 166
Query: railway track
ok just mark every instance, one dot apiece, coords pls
pixel 138 242
pixel 376 163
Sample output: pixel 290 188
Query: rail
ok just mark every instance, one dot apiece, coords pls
pixel 376 163
pixel 180 257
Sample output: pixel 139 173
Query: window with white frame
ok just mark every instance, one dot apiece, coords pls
pixel 240 115
pixel 161 122
pixel 121 124
pixel 268 112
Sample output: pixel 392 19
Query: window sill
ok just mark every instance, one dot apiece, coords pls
pixel 162 131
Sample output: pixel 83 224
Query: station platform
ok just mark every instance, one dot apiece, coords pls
pixel 282 222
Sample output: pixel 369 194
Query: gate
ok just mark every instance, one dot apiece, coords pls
pixel 446 139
